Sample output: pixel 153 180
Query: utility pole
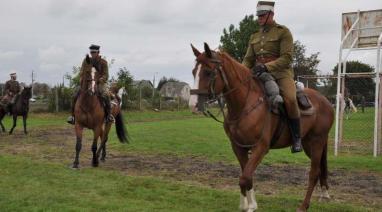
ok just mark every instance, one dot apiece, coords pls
pixel 154 85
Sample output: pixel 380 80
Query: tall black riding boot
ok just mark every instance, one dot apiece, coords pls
pixel 71 119
pixel 296 137
pixel 109 116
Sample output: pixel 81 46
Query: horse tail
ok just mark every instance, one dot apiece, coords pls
pixel 120 128
pixel 324 166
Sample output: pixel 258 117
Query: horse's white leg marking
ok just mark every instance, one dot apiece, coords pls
pixel 93 81
pixel 324 194
pixel 194 98
pixel 243 203
pixel 252 204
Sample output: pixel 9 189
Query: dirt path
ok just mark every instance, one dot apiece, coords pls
pixel 58 145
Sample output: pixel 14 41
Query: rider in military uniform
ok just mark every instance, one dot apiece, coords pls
pixel 269 55
pixel 103 75
pixel 12 89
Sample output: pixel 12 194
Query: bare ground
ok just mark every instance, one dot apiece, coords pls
pixel 57 145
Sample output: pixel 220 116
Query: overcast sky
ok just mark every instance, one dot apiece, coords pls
pixel 150 37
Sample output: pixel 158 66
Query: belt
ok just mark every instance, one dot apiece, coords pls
pixel 265 59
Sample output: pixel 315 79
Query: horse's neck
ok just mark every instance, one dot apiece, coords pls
pixel 241 89
pixel 87 100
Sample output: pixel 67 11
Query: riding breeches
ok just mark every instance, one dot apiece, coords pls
pixel 288 92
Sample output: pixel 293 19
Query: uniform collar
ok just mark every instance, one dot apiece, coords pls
pixel 267 27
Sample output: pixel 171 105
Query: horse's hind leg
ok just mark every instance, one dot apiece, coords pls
pixel 79 131
pixel 324 173
pixel 14 124
pixel 315 147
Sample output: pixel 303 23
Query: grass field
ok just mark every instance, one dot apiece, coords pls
pixel 35 176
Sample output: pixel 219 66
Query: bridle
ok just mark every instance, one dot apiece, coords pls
pixel 213 96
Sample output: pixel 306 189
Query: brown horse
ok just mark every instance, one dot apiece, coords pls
pixel 89 113
pixel 251 126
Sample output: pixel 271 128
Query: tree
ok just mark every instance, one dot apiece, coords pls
pixel 164 80
pixel 235 40
pixel 355 87
pixel 124 78
pixel 303 64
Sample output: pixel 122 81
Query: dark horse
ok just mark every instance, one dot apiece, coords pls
pixel 89 113
pixel 251 126
pixel 19 108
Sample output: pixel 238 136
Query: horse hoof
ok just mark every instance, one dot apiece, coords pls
pixel 301 210
pixel 75 166
pixel 95 164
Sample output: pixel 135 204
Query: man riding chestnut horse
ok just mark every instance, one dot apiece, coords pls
pixel 255 117
pixel 103 76
pixel 269 56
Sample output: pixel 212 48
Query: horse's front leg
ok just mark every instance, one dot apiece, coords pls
pixel 25 123
pixel 97 133
pixel 1 122
pixel 242 156
pixel 14 124
pixel 79 131
pixel 246 181
pixel 104 137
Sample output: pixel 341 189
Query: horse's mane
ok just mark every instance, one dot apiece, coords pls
pixel 242 72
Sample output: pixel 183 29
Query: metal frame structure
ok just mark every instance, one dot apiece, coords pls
pixel 355 31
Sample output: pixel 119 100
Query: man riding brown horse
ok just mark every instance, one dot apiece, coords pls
pixel 12 89
pixel 269 56
pixel 103 74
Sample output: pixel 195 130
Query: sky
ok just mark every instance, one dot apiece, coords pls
pixel 151 38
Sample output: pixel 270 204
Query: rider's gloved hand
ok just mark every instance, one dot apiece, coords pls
pixel 258 69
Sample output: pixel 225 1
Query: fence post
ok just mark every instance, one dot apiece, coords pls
pixel 178 103
pixel 140 97
pixel 56 94
pixel 160 102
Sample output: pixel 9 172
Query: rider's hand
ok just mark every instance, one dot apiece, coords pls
pixel 259 68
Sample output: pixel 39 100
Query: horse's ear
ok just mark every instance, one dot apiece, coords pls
pixel 207 50
pixel 87 59
pixel 196 52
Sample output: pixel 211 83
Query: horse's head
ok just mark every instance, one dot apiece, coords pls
pixel 88 77
pixel 26 93
pixel 209 79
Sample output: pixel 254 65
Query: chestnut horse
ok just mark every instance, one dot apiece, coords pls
pixel 89 113
pixel 250 125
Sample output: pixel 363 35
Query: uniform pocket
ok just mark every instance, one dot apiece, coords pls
pixel 255 43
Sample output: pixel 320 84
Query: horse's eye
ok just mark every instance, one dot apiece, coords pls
pixel 208 73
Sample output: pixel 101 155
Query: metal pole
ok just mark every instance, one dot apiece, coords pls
pixel 377 100
pixel 336 137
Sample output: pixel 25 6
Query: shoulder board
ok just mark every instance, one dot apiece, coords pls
pixel 280 26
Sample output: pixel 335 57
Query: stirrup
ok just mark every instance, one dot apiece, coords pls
pixel 296 147
pixel 110 119
pixel 71 120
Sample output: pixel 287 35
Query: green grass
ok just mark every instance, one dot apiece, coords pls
pixel 184 134
pixel 28 185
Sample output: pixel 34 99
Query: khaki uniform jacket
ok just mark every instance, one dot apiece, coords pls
pixel 102 75
pixel 12 86
pixel 274 40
